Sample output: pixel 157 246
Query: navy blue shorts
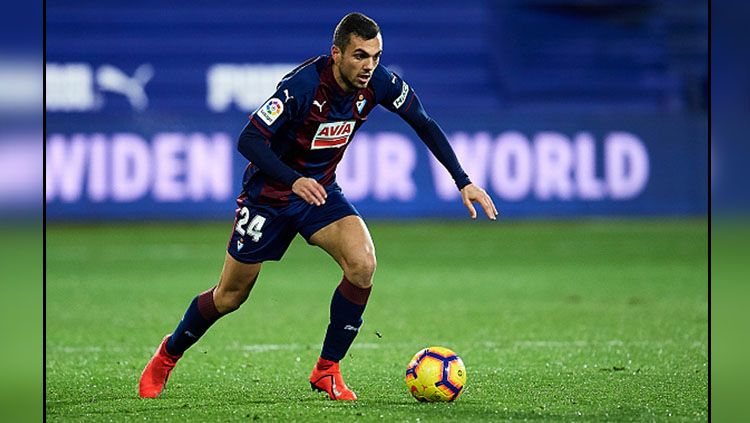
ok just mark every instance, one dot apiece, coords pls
pixel 264 233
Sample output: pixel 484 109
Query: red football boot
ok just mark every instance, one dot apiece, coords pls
pixel 326 377
pixel 157 371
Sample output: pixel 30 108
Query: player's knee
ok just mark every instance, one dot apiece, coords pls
pixel 229 301
pixel 361 270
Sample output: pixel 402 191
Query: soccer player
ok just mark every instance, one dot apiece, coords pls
pixel 294 142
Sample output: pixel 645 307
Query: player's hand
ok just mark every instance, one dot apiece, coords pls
pixel 310 190
pixel 472 193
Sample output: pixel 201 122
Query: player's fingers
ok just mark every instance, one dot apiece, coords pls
pixel 314 192
pixel 485 202
pixel 494 209
pixel 310 197
pixel 320 192
pixel 301 189
pixel 489 208
pixel 323 190
pixel 316 196
pixel 472 210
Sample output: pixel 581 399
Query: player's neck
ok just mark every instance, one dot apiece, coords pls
pixel 340 81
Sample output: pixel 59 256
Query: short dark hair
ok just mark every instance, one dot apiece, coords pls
pixel 354 23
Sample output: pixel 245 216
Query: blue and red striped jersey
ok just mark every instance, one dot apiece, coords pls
pixel 310 120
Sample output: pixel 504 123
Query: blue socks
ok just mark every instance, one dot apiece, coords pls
pixel 347 305
pixel 200 315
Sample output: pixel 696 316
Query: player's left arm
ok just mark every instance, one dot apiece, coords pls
pixel 408 106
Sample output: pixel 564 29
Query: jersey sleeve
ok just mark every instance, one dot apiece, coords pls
pixel 256 148
pixel 281 108
pixel 398 97
pixel 394 93
pixel 255 140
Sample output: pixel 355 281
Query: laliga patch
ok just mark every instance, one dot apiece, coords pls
pixel 401 98
pixel 332 134
pixel 270 111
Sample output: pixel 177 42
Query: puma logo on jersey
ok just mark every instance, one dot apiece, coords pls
pixel 332 134
pixel 320 105
pixel 288 97
pixel 352 328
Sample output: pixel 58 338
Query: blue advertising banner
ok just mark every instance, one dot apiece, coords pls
pixel 554 111
pixel 531 165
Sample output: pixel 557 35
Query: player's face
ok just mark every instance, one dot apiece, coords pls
pixel 354 66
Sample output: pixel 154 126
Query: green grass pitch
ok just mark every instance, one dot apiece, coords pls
pixel 593 320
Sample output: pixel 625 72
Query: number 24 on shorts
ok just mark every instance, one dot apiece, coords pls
pixel 254 228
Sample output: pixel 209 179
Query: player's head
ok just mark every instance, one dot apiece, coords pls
pixel 356 50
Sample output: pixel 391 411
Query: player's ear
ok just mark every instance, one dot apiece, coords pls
pixel 335 53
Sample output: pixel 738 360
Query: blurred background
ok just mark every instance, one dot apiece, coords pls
pixel 558 108
pixel 21 190
pixel 730 206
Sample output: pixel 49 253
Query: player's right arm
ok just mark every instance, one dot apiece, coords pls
pixel 401 99
pixel 255 139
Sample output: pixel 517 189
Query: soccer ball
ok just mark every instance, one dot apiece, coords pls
pixel 436 374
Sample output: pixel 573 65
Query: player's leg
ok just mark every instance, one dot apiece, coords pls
pixel 259 233
pixel 349 243
pixel 337 228
pixel 235 283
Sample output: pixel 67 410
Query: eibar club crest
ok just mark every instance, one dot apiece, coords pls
pixel 361 105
